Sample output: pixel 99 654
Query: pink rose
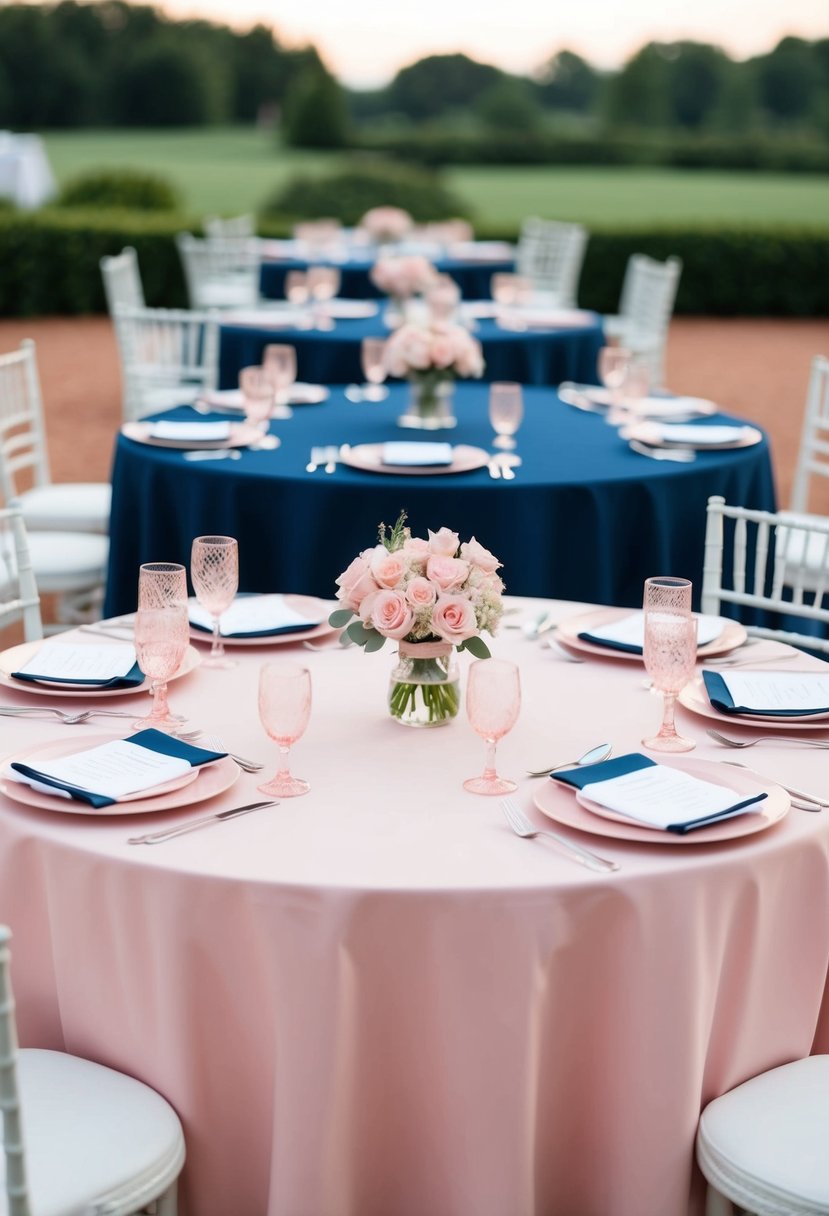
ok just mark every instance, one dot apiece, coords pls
pixel 449 573
pixel 387 568
pixel 391 615
pixel 445 542
pixel 443 351
pixel 416 545
pixel 355 583
pixel 453 619
pixel 421 593
pixel 477 555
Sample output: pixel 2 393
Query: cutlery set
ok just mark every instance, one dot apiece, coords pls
pixel 326 457
pixel 677 455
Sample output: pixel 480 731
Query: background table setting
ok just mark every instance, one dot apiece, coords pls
pixel 582 517
pixel 486 1017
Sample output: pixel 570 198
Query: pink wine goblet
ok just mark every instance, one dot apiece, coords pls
pixel 670 653
pixel 284 710
pixel 493 700
pixel 214 573
pixel 162 631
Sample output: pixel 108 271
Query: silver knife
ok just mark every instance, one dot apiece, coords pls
pixel 818 802
pixel 169 833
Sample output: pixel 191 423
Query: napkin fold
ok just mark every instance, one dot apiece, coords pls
pixel 623 799
pixel 67 659
pixel 722 699
pixel 627 633
pixel 253 616
pixel 151 739
pixel 190 432
pixel 425 454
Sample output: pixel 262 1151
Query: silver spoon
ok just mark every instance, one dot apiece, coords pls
pixel 594 756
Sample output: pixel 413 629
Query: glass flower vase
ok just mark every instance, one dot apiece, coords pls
pixel 424 689
pixel 430 403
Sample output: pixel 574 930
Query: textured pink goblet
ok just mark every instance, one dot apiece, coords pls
pixel 214 573
pixel 670 652
pixel 284 710
pixel 493 701
pixel 162 632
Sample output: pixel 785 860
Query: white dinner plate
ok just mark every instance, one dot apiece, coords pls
pixel 557 802
pixel 14 658
pixel 369 458
pixel 567 632
pixel 651 434
pixel 299 393
pixel 350 310
pixel 695 698
pixel 305 604
pixel 204 782
pixel 242 434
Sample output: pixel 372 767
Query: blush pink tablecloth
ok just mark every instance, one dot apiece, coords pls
pixel 376 999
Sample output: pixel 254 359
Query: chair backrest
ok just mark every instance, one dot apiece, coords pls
pixel 22 434
pixel 646 305
pixel 19 599
pixel 551 254
pixel 122 280
pixel 235 226
pixel 16 1188
pixel 775 567
pixel 814 437
pixel 162 348
pixel 220 272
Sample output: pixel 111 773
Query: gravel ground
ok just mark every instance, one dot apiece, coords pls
pixel 755 369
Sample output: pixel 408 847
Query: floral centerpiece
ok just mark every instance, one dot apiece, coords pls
pixel 385 225
pixel 431 357
pixel 432 597
pixel 400 278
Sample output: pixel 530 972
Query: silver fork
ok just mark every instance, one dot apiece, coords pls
pixel 729 742
pixel 679 455
pixel 521 825
pixel 214 743
pixel 561 652
pixel 749 662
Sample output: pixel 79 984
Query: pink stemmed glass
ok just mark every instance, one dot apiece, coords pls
pixel 323 285
pixel 670 652
pixel 279 363
pixel 162 631
pixel 613 366
pixel 493 699
pixel 214 572
pixel 506 410
pixel 372 357
pixel 257 396
pixel 284 710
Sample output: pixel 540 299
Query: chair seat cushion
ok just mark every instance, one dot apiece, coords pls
pixel 70 507
pixel 765 1145
pixel 68 561
pixel 92 1137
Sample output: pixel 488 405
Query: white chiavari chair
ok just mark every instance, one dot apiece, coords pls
pixel 79 1137
pixel 122 280
pixel 169 357
pixel 47 506
pixel 766 571
pixel 551 253
pixel 762 1146
pixel 220 272
pixel 645 309
pixel 234 227
pixel 19 599
pixel 812 462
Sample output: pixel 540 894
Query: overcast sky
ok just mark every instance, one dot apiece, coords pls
pixel 365 41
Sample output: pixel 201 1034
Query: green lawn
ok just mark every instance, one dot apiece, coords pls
pixel 234 169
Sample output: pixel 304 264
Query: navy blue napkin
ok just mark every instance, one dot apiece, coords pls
pixel 262 633
pixel 132 679
pixel 155 740
pixel 628 647
pixel 721 699
pixel 588 774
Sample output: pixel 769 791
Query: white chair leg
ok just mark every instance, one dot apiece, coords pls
pixel 717 1204
pixel 167 1204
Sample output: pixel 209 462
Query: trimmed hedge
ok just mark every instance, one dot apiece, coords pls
pixel 49 263
pixel 348 194
pixel 121 188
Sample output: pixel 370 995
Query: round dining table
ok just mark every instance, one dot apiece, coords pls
pixel 545 355
pixel 471 264
pixel 376 998
pixel 583 518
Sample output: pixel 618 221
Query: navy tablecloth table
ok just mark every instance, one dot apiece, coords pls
pixel 584 519
pixel 473 277
pixel 333 356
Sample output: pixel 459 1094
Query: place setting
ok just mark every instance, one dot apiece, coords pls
pixel 619 633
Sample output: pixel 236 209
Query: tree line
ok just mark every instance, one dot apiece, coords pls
pixel 118 64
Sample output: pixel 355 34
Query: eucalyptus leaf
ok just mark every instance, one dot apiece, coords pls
pixel 340 617
pixel 375 641
pixel 358 633
pixel 476 646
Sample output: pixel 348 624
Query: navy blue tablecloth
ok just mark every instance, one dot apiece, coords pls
pixel 472 277
pixel 333 356
pixel 584 519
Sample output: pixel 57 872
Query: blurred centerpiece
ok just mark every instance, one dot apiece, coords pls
pixel 401 279
pixel 431 357
pixel 385 225
pixel 431 596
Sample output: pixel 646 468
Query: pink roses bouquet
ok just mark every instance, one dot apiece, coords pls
pixel 403 277
pixel 415 590
pixel 442 350
pixel 386 224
